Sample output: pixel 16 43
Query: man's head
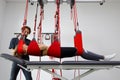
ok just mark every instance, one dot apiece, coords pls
pixel 25 30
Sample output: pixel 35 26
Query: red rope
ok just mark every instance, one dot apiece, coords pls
pixel 57 20
pixel 58 10
pixel 26 13
pixel 40 25
pixel 40 36
pixel 76 59
pixel 77 24
pixel 57 30
pixel 35 21
pixel 38 72
pixel 60 69
pixel 38 75
pixel 75 17
pixel 24 23
pixel 75 21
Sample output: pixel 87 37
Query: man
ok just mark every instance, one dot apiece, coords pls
pixel 25 30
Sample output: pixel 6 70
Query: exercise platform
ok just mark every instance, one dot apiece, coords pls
pixel 90 66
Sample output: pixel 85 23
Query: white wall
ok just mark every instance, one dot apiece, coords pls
pixel 99 24
pixel 2 9
pixel 3 70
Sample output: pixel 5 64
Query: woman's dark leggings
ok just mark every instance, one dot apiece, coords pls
pixel 70 52
pixel 91 56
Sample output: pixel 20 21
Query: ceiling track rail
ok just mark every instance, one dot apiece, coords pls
pixel 67 1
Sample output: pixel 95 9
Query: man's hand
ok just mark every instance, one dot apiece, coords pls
pixel 14 51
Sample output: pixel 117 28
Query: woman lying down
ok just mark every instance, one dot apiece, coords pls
pixel 27 47
pixel 64 52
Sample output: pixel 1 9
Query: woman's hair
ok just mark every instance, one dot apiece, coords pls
pixel 24 27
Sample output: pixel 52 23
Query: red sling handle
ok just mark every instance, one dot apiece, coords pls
pixel 20 47
pixel 54 49
pixel 33 48
pixel 78 42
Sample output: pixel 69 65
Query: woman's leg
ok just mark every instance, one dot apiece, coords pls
pixel 91 56
pixel 43 48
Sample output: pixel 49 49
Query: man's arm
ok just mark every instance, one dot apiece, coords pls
pixel 13 47
pixel 14 51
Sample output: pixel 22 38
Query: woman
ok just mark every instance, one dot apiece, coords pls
pixel 60 52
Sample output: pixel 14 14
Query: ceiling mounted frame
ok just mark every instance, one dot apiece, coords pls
pixel 69 1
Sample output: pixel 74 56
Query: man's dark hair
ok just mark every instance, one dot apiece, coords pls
pixel 23 28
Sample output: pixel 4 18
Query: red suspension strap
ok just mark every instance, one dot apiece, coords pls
pixel 54 49
pixel 74 15
pixel 40 25
pixel 33 48
pixel 78 34
pixel 57 20
pixel 26 13
pixel 21 41
pixel 39 38
pixel 34 33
